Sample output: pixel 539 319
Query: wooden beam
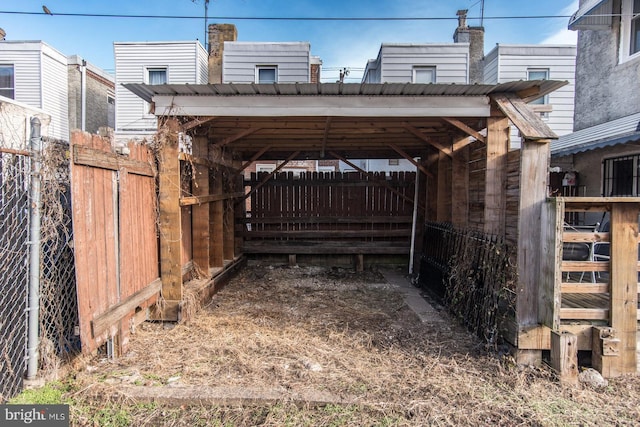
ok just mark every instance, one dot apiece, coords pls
pixel 255 157
pixel 416 132
pixel 12 151
pixel 196 122
pixel 88 156
pixel 529 123
pixel 327 128
pixel 216 224
pixel 238 136
pixel 411 160
pixel 550 270
pixel 464 128
pixel 584 313
pixel 198 200
pixel 605 351
pixel 205 161
pixel 443 212
pixel 118 311
pixel 229 228
pixel 384 184
pixel 170 219
pixel 460 143
pixel 496 175
pixel 200 217
pixel 268 177
pixel 460 188
pixel 624 281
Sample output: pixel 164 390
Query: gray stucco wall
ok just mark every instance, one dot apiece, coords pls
pixel 605 89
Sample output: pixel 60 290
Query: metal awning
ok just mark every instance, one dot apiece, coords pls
pixel 592 15
pixel 619 131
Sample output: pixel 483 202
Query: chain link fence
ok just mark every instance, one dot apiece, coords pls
pixel 58 314
pixel 14 270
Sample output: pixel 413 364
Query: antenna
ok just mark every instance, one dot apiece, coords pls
pixel 206 29
pixel 481 13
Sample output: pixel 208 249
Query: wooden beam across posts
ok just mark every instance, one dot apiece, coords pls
pixel 464 128
pixel 534 172
pixel 461 142
pixel 196 122
pixel 238 136
pixel 410 159
pixel 460 188
pixel 199 200
pixel 529 123
pixel 170 221
pixel 101 159
pixel 384 184
pixel 416 132
pixel 496 174
pixel 200 219
pixel 624 281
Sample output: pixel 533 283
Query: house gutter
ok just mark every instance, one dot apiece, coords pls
pixel 83 95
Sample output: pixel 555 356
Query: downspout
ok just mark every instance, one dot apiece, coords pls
pixel 33 307
pixel 415 220
pixel 83 95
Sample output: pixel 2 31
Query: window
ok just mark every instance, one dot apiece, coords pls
pixel 267 74
pixel 157 76
pixel 538 74
pixel 635 28
pixel 621 176
pixel 394 162
pixel 7 81
pixel 424 74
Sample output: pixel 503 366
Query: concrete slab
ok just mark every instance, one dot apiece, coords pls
pixel 412 297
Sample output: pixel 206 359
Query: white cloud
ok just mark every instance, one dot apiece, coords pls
pixel 564 35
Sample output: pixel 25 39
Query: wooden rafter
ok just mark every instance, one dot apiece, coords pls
pixel 195 123
pixel 529 123
pixel 238 136
pixel 255 157
pixel 411 160
pixel 460 143
pixel 327 127
pixel 268 177
pixel 384 184
pixel 415 131
pixel 464 128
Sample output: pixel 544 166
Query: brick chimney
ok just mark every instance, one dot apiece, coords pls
pixel 314 69
pixel 475 37
pixel 218 34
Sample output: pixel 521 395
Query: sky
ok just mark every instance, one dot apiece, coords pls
pixel 339 43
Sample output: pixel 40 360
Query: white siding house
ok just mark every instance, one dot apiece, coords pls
pixel 257 62
pixel 532 62
pixel 174 62
pixel 35 74
pixel 419 63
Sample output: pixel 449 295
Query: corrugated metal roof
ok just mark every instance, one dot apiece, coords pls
pixel 615 132
pixel 591 15
pixel 147 92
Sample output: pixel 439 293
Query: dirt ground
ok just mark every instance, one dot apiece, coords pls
pixel 318 346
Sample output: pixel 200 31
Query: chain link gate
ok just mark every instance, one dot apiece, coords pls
pixel 14 270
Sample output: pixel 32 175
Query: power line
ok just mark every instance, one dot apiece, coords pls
pixel 281 18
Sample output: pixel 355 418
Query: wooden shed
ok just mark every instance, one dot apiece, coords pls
pixel 458 138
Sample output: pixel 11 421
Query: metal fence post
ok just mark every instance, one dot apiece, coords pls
pixel 34 261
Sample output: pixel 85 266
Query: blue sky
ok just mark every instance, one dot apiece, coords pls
pixel 338 43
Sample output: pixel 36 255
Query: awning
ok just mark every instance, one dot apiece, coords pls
pixel 592 15
pixel 619 131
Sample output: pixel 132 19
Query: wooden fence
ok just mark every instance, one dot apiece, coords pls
pixel 116 242
pixel 339 213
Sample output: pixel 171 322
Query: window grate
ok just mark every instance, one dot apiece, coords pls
pixel 621 176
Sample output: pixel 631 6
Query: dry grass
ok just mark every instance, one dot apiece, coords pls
pixel 343 334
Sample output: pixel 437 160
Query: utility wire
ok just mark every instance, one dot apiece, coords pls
pixel 274 18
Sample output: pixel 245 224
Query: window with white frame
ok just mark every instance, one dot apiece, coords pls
pixel 424 74
pixel 266 74
pixel 635 29
pixel 538 74
pixel 621 176
pixel 7 81
pixel 157 75
pixel 630 30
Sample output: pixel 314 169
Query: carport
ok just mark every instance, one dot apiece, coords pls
pixel 457 136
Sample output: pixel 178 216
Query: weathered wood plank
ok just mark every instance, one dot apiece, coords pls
pixel 564 356
pixel 585 288
pixel 88 156
pixel 460 188
pixel 464 128
pixel 539 337
pixel 331 219
pixel 529 123
pixel 200 223
pixel 606 351
pixel 300 234
pixel 584 313
pixel 549 298
pixel 572 266
pixel 116 312
pixel 208 198
pixel 495 179
pixel 624 281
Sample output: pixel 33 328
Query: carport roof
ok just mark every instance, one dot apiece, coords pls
pixel 526 89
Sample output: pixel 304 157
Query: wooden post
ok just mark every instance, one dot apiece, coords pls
pixel 292 260
pixel 359 263
pixel 200 221
pixel 216 221
pixel 229 215
pixel 549 297
pixel 432 187
pixel 496 173
pixel 460 188
pixel 564 356
pixel 444 188
pixel 624 281
pixel 170 222
pixel 534 163
pixel 605 351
